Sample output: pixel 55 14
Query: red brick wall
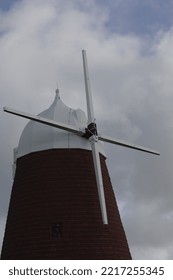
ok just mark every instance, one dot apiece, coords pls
pixel 59 186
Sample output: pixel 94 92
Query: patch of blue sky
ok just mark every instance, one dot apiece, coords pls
pixel 5 5
pixel 142 18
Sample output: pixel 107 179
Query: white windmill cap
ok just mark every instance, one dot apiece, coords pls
pixel 38 137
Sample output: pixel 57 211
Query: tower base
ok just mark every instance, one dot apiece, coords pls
pixel 54 210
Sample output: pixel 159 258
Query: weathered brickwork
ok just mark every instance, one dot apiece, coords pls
pixel 54 210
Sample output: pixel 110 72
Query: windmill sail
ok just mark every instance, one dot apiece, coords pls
pixel 45 121
pixel 119 142
pixel 90 109
pixel 94 141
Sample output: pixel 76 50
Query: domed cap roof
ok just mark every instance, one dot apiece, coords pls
pixel 37 137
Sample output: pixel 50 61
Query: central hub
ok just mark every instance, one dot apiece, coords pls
pixel 92 127
pixel 90 130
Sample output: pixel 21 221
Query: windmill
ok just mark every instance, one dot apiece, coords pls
pixel 88 135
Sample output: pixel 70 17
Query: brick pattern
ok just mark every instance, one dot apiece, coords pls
pixel 59 186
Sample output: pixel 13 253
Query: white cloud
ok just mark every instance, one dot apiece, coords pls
pixel 40 44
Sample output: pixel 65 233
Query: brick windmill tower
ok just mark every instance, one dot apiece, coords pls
pixel 62 203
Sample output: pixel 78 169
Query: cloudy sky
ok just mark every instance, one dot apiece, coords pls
pixel 129 46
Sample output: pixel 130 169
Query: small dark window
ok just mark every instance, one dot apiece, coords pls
pixel 56 230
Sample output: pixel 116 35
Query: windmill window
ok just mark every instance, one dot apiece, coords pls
pixel 56 230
